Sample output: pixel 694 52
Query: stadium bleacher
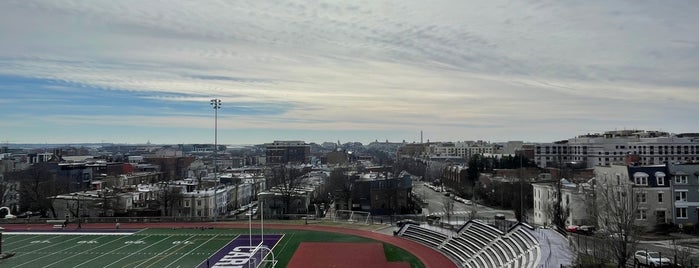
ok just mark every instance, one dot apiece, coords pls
pixel 478 244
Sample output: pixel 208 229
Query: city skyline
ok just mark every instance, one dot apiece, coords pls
pixel 133 72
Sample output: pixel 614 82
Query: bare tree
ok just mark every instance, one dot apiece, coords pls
pixel 286 180
pixel 107 202
pixel 4 191
pixel 339 186
pixel 683 254
pixel 617 214
pixel 168 197
pixel 434 170
pixel 37 185
pixel 557 212
pixel 448 207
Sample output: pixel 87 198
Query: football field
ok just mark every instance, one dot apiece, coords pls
pixel 160 247
pixel 148 248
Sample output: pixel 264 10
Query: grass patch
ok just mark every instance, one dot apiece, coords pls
pixel 394 253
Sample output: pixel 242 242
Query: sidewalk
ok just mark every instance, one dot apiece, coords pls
pixel 679 240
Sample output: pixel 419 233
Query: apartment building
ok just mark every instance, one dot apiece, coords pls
pixel 575 201
pixel 651 192
pixel 284 152
pixel 645 191
pixel 464 149
pixel 685 192
pixel 620 147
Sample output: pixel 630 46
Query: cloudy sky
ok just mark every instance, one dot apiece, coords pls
pixel 138 71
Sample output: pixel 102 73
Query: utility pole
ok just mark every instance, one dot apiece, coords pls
pixel 521 192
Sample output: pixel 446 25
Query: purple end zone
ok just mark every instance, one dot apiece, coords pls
pixel 237 252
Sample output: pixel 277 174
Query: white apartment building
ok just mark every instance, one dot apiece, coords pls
pixel 615 147
pixel 574 200
pixel 464 149
pixel 204 203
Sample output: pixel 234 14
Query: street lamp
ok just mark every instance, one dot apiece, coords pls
pixel 216 104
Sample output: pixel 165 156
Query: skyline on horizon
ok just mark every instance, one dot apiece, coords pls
pixel 330 141
pixel 133 72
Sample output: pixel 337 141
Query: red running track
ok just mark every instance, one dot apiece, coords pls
pixel 428 256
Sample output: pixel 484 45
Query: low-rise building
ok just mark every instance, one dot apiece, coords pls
pixel 575 202
pixel 685 192
pixel 381 194
pixel 638 192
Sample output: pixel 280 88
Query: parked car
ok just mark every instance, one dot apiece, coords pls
pixel 572 228
pixel 432 218
pixel 615 235
pixel 650 258
pixel 403 222
pixel 586 230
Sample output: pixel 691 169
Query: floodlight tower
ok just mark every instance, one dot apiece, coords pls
pixel 216 104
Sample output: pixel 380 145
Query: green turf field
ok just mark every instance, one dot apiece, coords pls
pixel 157 248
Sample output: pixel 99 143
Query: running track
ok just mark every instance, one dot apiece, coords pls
pixel 428 256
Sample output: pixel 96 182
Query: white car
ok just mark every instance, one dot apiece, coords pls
pixel 650 258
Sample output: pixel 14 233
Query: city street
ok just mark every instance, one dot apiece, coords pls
pixel 460 213
pixel 592 244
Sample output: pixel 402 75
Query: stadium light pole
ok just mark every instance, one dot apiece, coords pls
pixel 260 207
pixel 250 227
pixel 216 104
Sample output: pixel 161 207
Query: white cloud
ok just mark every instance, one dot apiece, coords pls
pixel 370 64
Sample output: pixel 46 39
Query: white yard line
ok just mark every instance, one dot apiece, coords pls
pixel 207 241
pixel 167 250
pixel 52 253
pixel 13 242
pixel 50 245
pixel 125 245
pixel 42 249
pixel 221 248
pixel 287 242
pixel 92 249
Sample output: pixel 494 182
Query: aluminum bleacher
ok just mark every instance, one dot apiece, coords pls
pixel 478 244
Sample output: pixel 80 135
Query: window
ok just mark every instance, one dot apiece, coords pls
pixel 681 213
pixel 661 181
pixel 641 180
pixel 186 203
pixel 199 202
pixel 681 196
pixel 681 179
pixel 660 197
pixel 641 214
pixel 640 197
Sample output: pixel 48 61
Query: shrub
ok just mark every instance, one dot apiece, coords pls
pixel 664 228
pixel 688 228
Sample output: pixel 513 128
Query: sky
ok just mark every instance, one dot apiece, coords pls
pixel 133 71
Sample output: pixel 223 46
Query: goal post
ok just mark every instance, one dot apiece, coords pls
pixel 260 256
pixel 351 216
